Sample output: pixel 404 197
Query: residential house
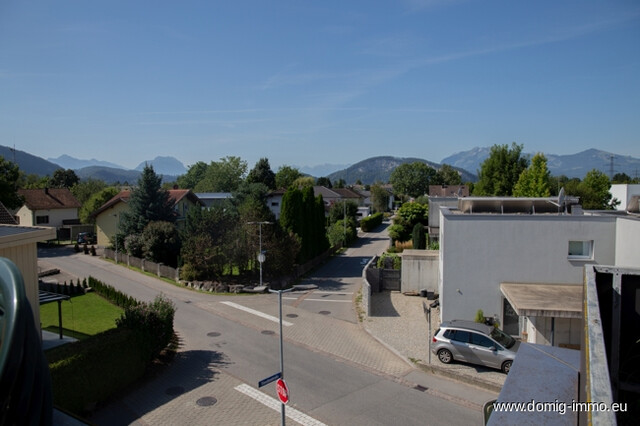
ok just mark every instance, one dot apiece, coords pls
pixel 274 201
pixel 108 215
pixel 628 195
pixel 439 196
pixel 6 218
pixel 54 207
pixel 521 261
pixel 20 245
pixel 212 199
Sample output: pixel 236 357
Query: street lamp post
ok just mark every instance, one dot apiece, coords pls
pixel 261 256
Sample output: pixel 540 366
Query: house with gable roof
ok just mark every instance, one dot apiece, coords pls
pixel 108 215
pixel 54 207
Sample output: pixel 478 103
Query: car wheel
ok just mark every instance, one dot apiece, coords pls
pixel 506 366
pixel 445 356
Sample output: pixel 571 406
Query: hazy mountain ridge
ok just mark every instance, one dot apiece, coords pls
pixel 379 169
pixel 570 165
pixel 67 162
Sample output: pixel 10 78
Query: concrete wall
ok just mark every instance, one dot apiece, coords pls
pixel 420 270
pixel 479 251
pixel 628 243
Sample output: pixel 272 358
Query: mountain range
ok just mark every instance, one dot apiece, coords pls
pixel 376 169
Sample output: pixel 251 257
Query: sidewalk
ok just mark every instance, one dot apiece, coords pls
pixel 399 322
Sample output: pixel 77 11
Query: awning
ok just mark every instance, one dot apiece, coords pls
pixel 47 297
pixel 544 300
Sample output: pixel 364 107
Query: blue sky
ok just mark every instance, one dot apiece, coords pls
pixel 311 82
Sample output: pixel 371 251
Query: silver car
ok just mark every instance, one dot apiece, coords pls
pixel 475 343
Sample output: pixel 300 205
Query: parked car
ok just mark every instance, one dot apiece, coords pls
pixel 475 343
pixel 86 238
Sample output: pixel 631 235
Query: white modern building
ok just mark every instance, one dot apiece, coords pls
pixel 521 261
pixel 627 194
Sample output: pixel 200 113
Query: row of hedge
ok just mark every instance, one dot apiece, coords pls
pixel 90 371
pixel 369 223
pixel 114 296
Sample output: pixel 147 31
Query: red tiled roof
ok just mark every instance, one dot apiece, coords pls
pixel 6 218
pixel 175 195
pixel 49 199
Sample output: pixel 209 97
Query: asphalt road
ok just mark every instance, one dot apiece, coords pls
pixel 340 279
pixel 328 388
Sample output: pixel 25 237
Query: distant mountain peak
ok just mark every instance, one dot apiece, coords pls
pixel 164 166
pixel 67 162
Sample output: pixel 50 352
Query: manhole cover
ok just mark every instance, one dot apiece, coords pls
pixel 324 312
pixel 420 388
pixel 206 401
pixel 268 332
pixel 213 334
pixel 174 390
pixel 292 315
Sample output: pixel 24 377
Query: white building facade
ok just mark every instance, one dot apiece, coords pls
pixel 524 266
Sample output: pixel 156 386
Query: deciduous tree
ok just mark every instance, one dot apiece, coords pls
pixel 285 176
pixel 412 179
pixel 9 175
pixel 500 171
pixel 534 180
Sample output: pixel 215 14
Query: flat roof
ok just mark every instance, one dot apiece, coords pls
pixel 506 205
pixel 13 235
pixel 545 300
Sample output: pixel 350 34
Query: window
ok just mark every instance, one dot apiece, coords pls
pixel 461 336
pixel 41 220
pixel 581 250
pixel 480 340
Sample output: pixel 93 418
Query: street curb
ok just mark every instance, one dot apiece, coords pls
pixel 484 384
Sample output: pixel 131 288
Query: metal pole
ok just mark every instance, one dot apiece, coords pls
pixel 260 227
pixel 282 407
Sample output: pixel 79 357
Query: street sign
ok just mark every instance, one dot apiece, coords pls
pixel 269 379
pixel 283 391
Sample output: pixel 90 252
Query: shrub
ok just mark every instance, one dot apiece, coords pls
pixel 89 371
pixel 369 223
pixel 418 237
pixel 152 323
pixel 479 316
pixel 389 261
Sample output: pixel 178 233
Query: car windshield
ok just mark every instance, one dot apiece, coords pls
pixel 502 338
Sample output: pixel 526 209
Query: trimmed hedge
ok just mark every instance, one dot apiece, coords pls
pixel 87 372
pixel 90 371
pixel 369 223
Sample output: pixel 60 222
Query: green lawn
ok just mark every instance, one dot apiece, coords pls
pixel 82 316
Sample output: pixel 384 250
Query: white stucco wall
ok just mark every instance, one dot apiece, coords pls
pixel 479 251
pixel 628 242
pixel 28 218
pixel 623 193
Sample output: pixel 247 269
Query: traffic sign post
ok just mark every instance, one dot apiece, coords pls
pixel 269 379
pixel 278 385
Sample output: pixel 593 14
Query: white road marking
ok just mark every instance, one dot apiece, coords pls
pixel 318 300
pixel 333 292
pixel 292 413
pixel 257 313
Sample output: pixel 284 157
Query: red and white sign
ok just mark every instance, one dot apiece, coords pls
pixel 283 391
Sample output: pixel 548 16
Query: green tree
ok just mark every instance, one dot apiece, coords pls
pixel 87 188
pixel 418 237
pixel 500 171
pixel 534 181
pixel 406 219
pixel 304 182
pixel 340 183
pixel 337 210
pixel 161 243
pixel 412 179
pixel 324 181
pixel 262 173
pixel 96 201
pixel 195 174
pixel 223 176
pixel 64 179
pixel 285 176
pixel 447 175
pixel 9 175
pixel 594 191
pixel 148 203
pixel 379 198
